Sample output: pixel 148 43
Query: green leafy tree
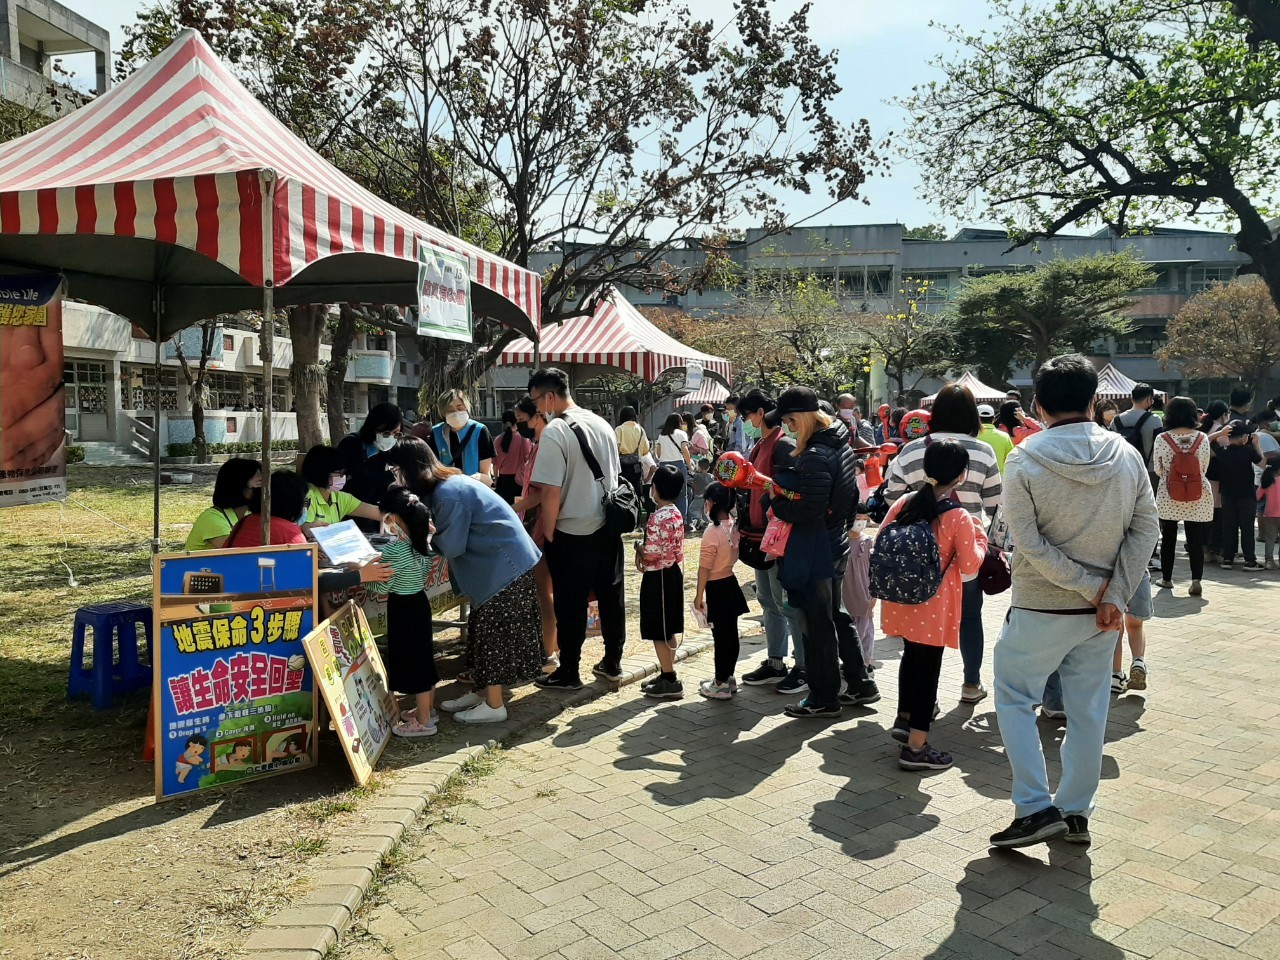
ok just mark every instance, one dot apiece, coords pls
pixel 930 231
pixel 1030 315
pixel 1128 112
pixel 1230 330
pixel 912 342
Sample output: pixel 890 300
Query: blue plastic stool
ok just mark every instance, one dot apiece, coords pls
pixel 115 668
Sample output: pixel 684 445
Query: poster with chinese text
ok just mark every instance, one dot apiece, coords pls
pixel 444 293
pixel 353 681
pixel 235 697
pixel 33 453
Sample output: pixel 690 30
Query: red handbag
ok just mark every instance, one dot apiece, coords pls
pixel 776 535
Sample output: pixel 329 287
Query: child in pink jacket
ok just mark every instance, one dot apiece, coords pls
pixel 929 628
pixel 1269 515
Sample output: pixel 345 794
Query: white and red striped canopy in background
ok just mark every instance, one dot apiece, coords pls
pixel 711 391
pixel 981 392
pixel 616 335
pixel 1114 385
pixel 181 154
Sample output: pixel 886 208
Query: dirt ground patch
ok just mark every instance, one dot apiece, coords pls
pixel 90 867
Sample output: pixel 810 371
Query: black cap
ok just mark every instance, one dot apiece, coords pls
pixel 797 400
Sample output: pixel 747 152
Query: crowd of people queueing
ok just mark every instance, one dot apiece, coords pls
pixel 1081 496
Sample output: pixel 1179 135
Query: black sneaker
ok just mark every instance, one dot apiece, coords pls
pixel 608 671
pixel 766 673
pixel 901 729
pixel 1038 827
pixel 1077 829
pixel 794 682
pixel 926 758
pixel 664 689
pixel 558 681
pixel 860 695
pixel 805 709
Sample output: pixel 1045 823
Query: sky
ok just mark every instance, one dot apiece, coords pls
pixel 884 48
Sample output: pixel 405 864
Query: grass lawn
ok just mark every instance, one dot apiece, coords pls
pixel 98 539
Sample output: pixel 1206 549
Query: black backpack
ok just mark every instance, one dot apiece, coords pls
pixel 621 505
pixel 1133 434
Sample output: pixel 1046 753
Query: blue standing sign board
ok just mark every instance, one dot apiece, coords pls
pixel 235 696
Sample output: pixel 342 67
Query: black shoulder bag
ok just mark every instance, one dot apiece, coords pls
pixel 621 505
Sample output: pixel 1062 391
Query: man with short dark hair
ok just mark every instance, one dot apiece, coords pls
pixel 1241 403
pixel 1083 522
pixel 583 556
pixel 1139 425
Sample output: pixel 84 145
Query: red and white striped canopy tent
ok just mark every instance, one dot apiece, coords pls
pixel 1114 385
pixel 711 391
pixel 177 185
pixel 616 335
pixel 981 392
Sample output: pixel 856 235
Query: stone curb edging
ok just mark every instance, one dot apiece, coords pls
pixel 310 927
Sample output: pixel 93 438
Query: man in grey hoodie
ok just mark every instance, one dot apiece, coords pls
pixel 1083 523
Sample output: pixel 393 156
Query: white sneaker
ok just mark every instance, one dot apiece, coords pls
pixel 464 702
pixel 482 713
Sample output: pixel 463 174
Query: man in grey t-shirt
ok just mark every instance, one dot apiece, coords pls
pixel 583 557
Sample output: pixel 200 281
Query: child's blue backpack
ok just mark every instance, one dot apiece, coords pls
pixel 906 566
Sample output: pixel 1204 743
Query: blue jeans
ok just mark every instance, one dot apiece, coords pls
pixel 682 504
pixel 971 635
pixel 1031 647
pixel 779 617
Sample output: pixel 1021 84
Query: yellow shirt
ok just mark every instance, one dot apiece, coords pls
pixel 340 506
pixel 631 439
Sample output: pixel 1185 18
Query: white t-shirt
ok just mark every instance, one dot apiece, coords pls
pixel 560 464
pixel 1267 444
pixel 669 449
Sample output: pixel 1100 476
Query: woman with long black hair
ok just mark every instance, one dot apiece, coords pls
pixel 672 449
pixel 363 457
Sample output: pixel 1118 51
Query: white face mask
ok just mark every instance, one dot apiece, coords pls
pixel 457 419
pixel 846 414
pixel 385 441
pixel 859 526
pixel 337 483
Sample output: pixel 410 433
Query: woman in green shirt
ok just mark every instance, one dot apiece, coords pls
pixel 325 471
pixel 237 491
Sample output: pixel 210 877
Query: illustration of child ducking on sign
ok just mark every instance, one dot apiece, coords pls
pixel 240 757
pixel 192 756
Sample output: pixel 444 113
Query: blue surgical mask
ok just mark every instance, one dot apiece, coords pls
pixel 302 519
pixel 788 433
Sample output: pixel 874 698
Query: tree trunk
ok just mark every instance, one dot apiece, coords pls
pixel 344 335
pixel 197 422
pixel 306 324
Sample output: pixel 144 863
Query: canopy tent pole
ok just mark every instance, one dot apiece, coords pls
pixel 155 429
pixel 267 340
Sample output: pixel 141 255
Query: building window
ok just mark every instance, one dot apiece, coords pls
pixel 1159 285
pixel 937 286
pixel 377 343
pixel 404 369
pixel 228 343
pixel 138 388
pixel 1200 279
pixel 1142 341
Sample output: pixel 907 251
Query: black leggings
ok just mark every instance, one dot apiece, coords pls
pixel 918 683
pixel 1197 535
pixel 725 603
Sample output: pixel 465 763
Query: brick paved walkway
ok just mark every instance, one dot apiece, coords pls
pixel 707 830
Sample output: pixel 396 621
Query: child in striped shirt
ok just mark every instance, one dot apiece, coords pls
pixel 411 658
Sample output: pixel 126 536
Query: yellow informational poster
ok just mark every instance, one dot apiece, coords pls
pixel 353 682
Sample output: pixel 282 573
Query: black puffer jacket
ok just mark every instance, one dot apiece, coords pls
pixel 825 476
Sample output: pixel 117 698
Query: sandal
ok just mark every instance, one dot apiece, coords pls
pixel 413 728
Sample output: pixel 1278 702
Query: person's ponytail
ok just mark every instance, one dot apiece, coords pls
pixel 945 461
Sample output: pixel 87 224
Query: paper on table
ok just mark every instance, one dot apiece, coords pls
pixel 344 543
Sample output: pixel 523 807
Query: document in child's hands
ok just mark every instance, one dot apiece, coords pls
pixel 344 543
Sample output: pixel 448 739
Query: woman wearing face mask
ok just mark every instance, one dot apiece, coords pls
pixel 531 423
pixel 510 454
pixel 492 561
pixel 460 442
pixel 812 566
pixel 237 491
pixel 363 459
pixel 328 502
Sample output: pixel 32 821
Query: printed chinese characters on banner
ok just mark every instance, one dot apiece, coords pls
pixel 235 697
pixel 33 457
pixel 444 293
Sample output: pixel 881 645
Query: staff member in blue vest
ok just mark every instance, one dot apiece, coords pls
pixel 460 442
